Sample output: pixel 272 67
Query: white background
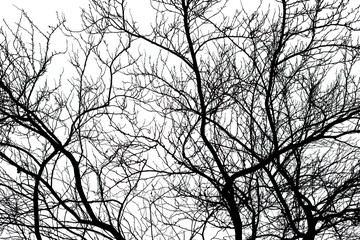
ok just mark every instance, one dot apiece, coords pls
pixel 43 12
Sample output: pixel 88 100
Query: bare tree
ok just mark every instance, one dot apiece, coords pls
pixel 215 122
pixel 256 113
pixel 67 171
